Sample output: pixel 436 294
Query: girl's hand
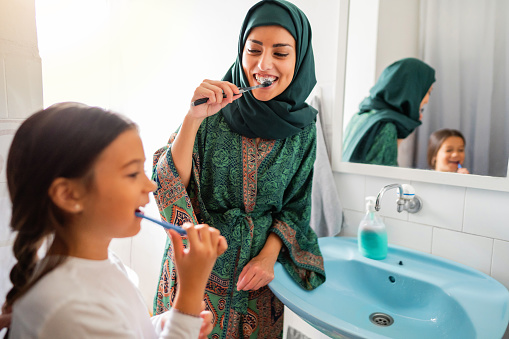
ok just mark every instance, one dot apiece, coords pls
pixel 257 273
pixel 213 90
pixel 194 264
pixel 206 326
pixel 463 170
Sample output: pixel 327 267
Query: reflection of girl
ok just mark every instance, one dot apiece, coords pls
pixel 446 151
pixel 244 164
pixel 79 188
pixel 389 114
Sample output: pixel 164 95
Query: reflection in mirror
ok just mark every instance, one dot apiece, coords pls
pixel 389 114
pixel 467 45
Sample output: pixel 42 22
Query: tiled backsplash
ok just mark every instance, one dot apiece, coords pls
pixel 469 226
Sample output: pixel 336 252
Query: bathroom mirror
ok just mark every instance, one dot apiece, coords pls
pixel 374 15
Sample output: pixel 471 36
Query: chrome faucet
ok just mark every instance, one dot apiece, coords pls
pixel 407 200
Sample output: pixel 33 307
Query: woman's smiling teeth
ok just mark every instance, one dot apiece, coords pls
pixel 264 78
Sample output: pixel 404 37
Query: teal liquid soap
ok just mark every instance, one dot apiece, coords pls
pixel 372 235
pixel 373 245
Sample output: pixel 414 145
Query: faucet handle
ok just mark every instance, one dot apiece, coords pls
pixel 412 203
pixel 408 192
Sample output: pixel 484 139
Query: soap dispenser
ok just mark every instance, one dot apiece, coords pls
pixel 372 235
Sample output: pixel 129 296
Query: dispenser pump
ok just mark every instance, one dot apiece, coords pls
pixel 372 235
pixel 370 204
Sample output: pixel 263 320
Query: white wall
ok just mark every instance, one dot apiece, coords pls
pixel 398 32
pixel 361 55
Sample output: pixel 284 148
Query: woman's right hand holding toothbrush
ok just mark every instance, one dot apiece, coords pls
pixel 213 90
pixel 182 148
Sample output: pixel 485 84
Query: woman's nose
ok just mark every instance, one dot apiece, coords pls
pixel 265 61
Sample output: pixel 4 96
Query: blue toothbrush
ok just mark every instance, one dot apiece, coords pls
pixel 166 225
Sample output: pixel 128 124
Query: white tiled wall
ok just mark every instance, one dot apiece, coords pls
pixel 470 226
pixel 500 267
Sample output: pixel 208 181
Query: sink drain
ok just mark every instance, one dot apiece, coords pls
pixel 381 319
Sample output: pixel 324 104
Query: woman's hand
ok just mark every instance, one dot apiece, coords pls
pixel 194 264
pixel 259 271
pixel 213 90
pixel 182 148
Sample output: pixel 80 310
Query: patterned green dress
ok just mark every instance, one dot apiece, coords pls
pixel 246 191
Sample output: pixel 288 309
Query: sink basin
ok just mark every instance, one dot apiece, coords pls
pixel 409 294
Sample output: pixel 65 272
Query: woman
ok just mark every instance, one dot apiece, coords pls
pixel 446 151
pixel 391 112
pixel 244 163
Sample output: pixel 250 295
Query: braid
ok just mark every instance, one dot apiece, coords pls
pixel 25 251
pixel 31 232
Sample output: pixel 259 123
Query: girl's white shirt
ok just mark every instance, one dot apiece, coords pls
pixel 93 299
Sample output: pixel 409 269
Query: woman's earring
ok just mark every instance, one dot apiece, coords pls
pixel 77 207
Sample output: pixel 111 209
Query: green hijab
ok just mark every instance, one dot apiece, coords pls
pixel 396 97
pixel 287 114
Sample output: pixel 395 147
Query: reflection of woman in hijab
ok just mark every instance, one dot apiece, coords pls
pixel 389 114
pixel 244 165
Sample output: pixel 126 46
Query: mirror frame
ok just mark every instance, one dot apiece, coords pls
pixel 420 175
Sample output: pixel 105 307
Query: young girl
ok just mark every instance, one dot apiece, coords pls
pixel 446 151
pixel 75 176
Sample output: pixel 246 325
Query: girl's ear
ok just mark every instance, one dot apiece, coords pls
pixel 67 194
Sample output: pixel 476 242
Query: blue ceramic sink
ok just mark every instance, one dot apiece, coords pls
pixel 409 294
